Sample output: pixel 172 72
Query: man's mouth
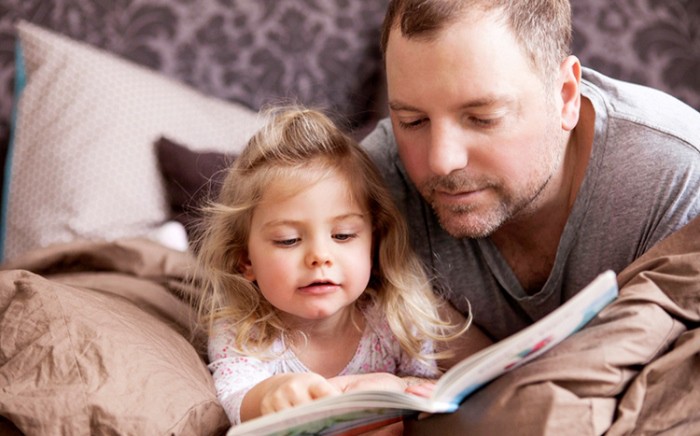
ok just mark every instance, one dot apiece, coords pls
pixel 455 189
pixel 457 196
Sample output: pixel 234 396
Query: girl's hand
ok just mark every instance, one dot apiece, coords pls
pixel 296 389
pixel 372 381
pixel 424 389
pixel 284 391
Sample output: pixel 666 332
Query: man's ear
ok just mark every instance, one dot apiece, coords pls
pixel 246 269
pixel 570 79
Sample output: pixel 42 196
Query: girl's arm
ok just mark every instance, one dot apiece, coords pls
pixel 248 387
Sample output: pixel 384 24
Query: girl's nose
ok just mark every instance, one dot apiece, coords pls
pixel 318 255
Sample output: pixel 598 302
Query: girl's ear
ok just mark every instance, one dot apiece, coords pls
pixel 246 268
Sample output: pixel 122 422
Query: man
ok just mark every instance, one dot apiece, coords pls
pixel 522 174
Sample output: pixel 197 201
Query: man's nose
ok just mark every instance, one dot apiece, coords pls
pixel 448 148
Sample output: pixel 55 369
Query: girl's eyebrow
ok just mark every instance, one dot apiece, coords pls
pixel 293 223
pixel 350 215
pixel 285 222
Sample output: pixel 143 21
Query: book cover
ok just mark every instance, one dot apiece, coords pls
pixel 360 411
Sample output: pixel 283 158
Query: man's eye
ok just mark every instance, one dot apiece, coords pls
pixel 484 122
pixel 412 124
pixel 287 242
pixel 344 236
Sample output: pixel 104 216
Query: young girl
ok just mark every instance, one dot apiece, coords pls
pixel 310 287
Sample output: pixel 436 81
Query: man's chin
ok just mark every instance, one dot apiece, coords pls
pixel 467 224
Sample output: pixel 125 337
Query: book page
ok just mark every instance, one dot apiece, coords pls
pixel 336 415
pixel 480 368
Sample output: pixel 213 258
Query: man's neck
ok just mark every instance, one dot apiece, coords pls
pixel 529 242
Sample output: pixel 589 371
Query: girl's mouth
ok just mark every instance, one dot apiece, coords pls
pixel 319 287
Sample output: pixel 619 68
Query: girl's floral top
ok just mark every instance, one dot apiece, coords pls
pixel 378 351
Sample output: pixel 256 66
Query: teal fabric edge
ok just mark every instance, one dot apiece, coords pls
pixel 20 82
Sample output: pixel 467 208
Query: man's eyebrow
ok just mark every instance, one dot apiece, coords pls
pixel 491 100
pixel 487 101
pixel 398 106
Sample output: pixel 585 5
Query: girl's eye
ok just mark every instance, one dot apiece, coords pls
pixel 344 236
pixel 287 242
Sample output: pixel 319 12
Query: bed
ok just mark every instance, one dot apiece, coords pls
pixel 128 113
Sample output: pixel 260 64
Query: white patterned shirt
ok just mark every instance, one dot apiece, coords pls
pixel 235 373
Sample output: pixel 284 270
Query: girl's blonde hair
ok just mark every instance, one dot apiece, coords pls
pixel 295 144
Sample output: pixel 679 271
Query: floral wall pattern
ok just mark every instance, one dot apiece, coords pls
pixel 318 52
pixel 325 52
pixel 651 42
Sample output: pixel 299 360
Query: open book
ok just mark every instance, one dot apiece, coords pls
pixel 360 411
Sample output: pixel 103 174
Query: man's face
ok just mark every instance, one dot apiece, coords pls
pixel 477 132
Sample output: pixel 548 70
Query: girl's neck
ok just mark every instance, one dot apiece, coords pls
pixel 326 346
pixel 345 320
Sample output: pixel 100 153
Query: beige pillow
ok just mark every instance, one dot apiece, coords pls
pixel 83 162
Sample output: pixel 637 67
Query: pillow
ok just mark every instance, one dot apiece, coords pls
pixel 191 179
pixel 83 164
pixel 78 361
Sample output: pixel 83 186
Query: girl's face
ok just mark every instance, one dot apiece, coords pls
pixel 310 253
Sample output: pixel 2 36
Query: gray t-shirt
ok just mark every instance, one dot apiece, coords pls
pixel 642 183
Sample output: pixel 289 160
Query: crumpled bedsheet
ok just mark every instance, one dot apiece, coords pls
pixel 635 370
pixel 99 338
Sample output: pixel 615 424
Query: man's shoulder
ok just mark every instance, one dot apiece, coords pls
pixel 643 107
pixel 380 144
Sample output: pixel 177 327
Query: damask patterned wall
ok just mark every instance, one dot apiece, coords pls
pixel 318 52
pixel 652 42
pixel 325 52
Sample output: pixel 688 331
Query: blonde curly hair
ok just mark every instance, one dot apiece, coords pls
pixel 294 141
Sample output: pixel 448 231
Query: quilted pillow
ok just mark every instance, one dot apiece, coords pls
pixel 83 163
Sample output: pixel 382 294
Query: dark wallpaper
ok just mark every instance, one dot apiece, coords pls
pixel 325 52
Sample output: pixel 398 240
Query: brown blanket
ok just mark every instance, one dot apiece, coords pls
pixel 98 339
pixel 634 370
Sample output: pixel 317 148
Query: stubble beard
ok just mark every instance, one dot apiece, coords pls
pixel 467 220
pixel 483 219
